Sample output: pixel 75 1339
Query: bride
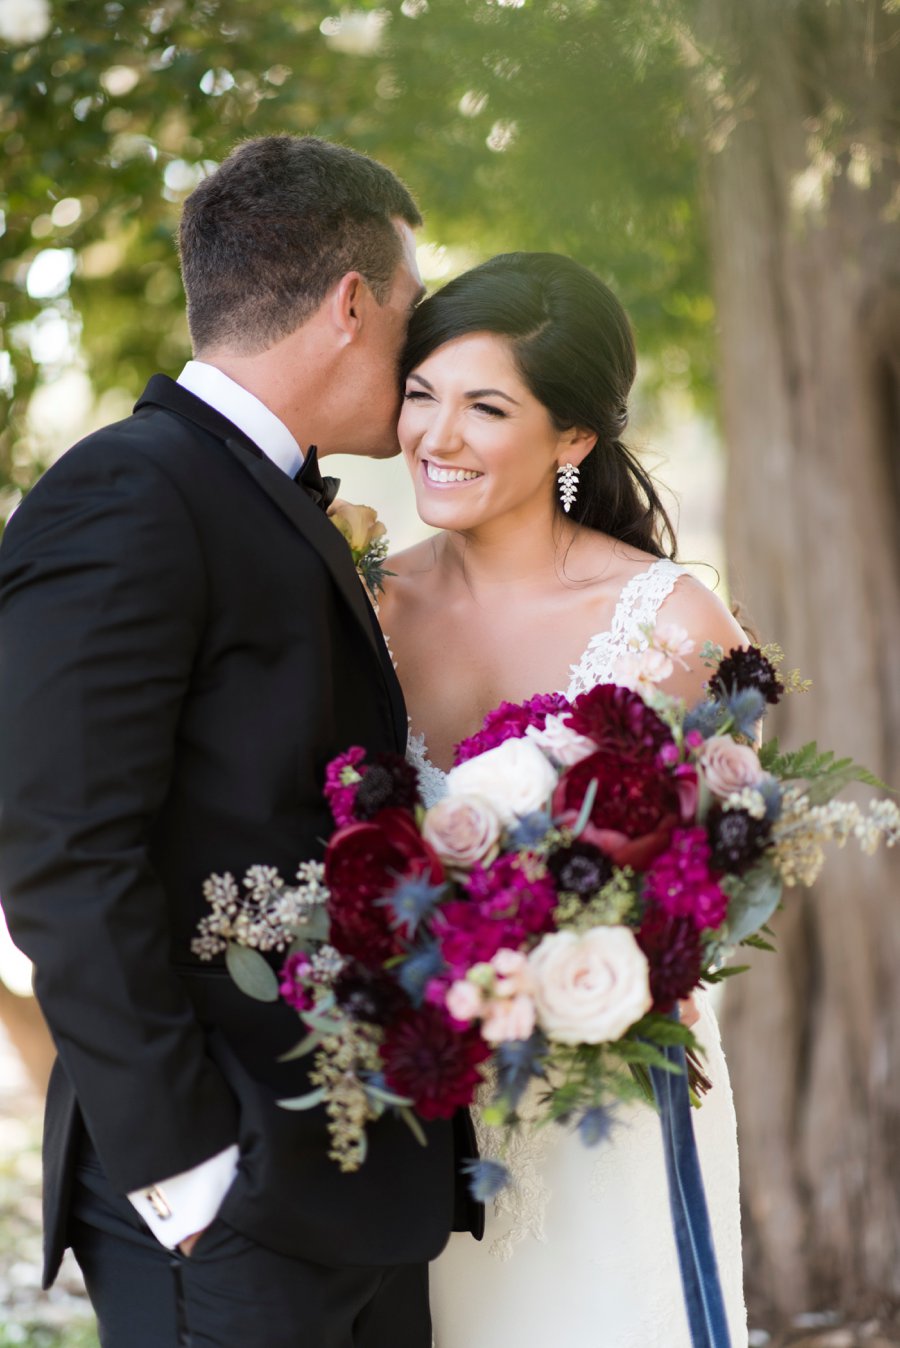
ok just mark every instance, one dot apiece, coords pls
pixel 513 371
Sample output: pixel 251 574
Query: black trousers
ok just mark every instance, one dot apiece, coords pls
pixel 231 1292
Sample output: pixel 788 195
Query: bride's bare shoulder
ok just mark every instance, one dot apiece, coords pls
pixel 407 581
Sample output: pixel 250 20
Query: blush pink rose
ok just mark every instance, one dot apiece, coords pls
pixel 508 1018
pixel 728 767
pixel 463 830
pixel 590 987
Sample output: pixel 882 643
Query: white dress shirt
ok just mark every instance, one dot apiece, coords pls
pixel 176 1207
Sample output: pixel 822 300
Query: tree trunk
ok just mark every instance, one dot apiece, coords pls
pixel 808 305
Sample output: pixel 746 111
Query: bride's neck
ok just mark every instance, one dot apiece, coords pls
pixel 502 554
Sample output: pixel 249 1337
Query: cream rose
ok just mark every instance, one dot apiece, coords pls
pixel 463 830
pixel 590 988
pixel 560 742
pixel 515 778
pixel 729 767
pixel 359 524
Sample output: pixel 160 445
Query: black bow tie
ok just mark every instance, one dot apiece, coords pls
pixel 319 489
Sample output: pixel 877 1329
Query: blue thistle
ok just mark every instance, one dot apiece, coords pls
pixel 595 1125
pixel 746 707
pixel 486 1178
pixel 770 790
pixel 517 1061
pixel 418 969
pixel 411 902
pixel 707 717
pixel 530 830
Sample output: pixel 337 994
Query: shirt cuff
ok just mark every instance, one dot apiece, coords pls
pixel 178 1207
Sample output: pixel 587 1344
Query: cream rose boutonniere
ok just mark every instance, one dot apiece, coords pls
pixel 367 539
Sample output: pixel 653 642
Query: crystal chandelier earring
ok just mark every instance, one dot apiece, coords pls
pixel 568 485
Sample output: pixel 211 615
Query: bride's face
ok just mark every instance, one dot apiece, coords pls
pixel 477 442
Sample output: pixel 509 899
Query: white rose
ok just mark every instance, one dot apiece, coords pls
pixel 515 778
pixel 590 988
pixel 463 830
pixel 729 767
pixel 560 742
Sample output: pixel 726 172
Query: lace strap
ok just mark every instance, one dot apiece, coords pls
pixel 638 604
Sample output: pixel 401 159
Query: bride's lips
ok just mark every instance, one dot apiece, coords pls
pixel 453 479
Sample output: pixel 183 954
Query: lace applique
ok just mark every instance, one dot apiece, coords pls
pixel 520 1207
pixel 639 603
pixel 432 781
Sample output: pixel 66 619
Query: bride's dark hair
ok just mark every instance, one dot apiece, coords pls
pixel 574 348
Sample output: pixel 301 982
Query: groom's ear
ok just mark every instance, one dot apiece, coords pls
pixel 347 302
pixel 575 445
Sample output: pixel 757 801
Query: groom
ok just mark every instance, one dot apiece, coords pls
pixel 184 644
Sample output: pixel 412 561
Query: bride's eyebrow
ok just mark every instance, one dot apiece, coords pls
pixel 472 393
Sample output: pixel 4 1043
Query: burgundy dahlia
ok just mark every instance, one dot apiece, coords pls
pixel 509 721
pixel 389 782
pixel 619 722
pixel 674 951
pixel 433 1064
pixel 736 839
pixel 747 667
pixel 363 862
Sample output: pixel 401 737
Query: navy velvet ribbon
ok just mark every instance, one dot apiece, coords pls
pixel 687 1199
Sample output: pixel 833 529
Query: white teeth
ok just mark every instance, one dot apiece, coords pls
pixel 450 474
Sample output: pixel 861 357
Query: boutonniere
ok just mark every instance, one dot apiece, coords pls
pixel 368 542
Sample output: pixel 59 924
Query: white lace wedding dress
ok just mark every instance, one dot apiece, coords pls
pixel 578 1251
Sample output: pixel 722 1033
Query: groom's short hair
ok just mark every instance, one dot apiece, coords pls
pixel 265 237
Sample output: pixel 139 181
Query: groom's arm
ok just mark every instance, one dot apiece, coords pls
pixel 102 609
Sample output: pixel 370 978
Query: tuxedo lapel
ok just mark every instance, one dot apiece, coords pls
pixel 291 500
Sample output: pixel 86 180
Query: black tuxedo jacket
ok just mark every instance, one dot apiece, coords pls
pixel 184 644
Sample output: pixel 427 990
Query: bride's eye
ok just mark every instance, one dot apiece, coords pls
pixel 413 395
pixel 490 409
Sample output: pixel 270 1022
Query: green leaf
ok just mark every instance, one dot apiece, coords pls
pixel 414 1126
pixel 253 975
pixel 756 942
pixel 587 805
pixel 306 1045
pixel 751 904
pixel 308 1101
pixel 719 975
pixel 386 1097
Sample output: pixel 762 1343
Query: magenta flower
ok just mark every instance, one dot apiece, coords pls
pixel 509 721
pixel 342 780
pixel 507 903
pixel 680 884
pixel 293 987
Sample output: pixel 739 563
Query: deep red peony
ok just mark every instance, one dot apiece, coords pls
pixel 619 722
pixel 431 1062
pixel 363 863
pixel 635 810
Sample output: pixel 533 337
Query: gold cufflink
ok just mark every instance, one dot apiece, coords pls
pixel 158 1203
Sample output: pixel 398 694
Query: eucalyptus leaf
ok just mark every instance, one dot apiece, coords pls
pixel 308 1101
pixel 752 904
pixel 306 1045
pixel 412 1122
pixel 253 975
pixel 386 1097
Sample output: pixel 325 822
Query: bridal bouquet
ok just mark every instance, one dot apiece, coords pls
pixel 591 864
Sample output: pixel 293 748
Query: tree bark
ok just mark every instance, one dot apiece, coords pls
pixel 808 304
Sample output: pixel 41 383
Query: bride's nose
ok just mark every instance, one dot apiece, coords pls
pixel 444 434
